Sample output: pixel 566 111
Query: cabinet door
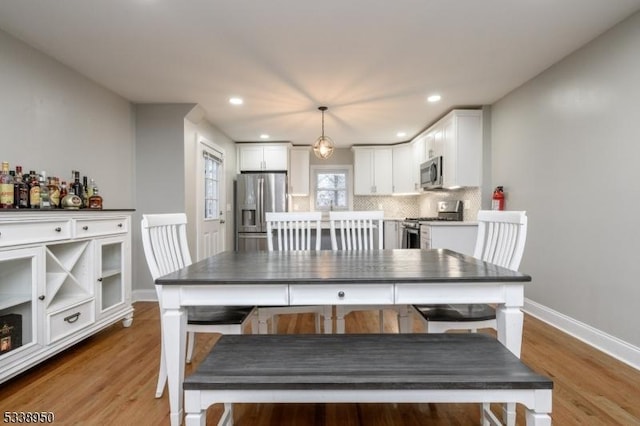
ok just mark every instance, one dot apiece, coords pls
pixel 363 171
pixel 299 171
pixel 251 157
pixel 383 171
pixel 21 310
pixel 112 274
pixel 404 167
pixel 449 153
pixel 276 158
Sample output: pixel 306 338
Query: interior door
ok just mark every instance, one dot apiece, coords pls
pixel 211 200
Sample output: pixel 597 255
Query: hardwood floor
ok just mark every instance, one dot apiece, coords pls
pixel 110 379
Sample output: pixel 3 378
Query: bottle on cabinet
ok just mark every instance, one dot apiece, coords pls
pixel 95 200
pixel 34 190
pixel 20 191
pixel 45 201
pixel 78 189
pixel 6 187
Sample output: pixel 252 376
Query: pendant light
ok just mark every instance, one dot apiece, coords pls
pixel 323 147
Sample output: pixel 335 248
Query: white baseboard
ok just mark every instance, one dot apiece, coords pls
pixel 144 296
pixel 600 340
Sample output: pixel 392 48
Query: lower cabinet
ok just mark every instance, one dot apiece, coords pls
pixel 459 237
pixel 63 277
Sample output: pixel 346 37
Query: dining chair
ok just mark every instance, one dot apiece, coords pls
pixel 357 230
pixel 501 240
pixel 164 240
pixel 293 231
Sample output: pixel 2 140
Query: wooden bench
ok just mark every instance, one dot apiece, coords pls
pixel 365 368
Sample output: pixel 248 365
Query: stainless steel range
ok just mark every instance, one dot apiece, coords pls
pixel 447 211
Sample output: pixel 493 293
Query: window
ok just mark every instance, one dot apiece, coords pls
pixel 211 186
pixel 331 188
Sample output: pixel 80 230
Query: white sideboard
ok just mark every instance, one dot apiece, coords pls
pixel 64 275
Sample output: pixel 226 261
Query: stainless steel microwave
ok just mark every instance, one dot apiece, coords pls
pixel 431 173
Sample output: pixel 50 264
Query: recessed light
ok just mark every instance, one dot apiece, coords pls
pixel 401 134
pixel 434 98
pixel 264 136
pixel 236 101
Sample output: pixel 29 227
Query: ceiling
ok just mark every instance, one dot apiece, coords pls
pixel 373 63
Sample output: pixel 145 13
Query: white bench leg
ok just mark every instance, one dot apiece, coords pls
pixel 340 313
pixel 537 419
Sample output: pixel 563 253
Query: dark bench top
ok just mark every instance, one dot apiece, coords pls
pixel 362 361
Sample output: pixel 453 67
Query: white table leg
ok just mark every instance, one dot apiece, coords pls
pixel 175 329
pixel 510 321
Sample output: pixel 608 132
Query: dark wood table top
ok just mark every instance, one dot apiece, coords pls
pixel 363 361
pixel 338 267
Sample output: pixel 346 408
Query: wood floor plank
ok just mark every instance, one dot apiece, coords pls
pixel 110 378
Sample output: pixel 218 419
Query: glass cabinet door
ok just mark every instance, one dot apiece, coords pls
pixel 111 270
pixel 20 301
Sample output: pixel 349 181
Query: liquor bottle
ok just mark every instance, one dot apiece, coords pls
pixel 6 187
pixel 71 201
pixel 54 192
pixel 45 202
pixel 95 201
pixel 77 186
pixel 20 191
pixel 92 184
pixel 63 191
pixel 34 190
pixel 85 192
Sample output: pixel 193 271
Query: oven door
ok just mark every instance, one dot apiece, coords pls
pixel 410 237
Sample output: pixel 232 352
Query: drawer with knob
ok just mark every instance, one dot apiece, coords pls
pixel 96 227
pixel 347 294
pixel 15 233
pixel 70 320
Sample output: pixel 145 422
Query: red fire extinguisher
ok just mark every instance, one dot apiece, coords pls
pixel 497 200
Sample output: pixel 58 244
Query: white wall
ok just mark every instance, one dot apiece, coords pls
pixel 55 119
pixel 566 146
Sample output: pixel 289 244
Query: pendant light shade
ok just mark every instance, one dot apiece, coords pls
pixel 323 147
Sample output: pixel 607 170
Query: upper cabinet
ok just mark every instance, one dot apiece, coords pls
pixel 457 137
pixel 373 170
pixel 263 157
pixel 299 170
pixel 462 148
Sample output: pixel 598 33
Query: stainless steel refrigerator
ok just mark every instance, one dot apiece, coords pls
pixel 256 194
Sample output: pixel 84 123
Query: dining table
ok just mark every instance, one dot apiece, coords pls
pixel 326 277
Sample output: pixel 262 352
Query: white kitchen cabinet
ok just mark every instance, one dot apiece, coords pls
pixel 392 234
pixel 461 148
pixel 299 170
pixel 373 171
pixel 406 169
pixel 460 237
pixel 263 157
pixel 64 275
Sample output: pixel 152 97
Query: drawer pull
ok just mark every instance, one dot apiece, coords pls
pixel 85 227
pixel 41 297
pixel 72 318
pixel 58 229
pixel 341 294
pixel 120 225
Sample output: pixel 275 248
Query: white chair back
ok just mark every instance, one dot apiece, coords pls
pixel 293 230
pixel 164 239
pixel 359 230
pixel 501 237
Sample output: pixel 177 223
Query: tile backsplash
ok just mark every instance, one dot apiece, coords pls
pixel 399 207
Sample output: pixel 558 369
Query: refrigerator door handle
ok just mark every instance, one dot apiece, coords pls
pixel 260 205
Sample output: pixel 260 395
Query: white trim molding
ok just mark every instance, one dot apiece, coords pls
pixel 600 340
pixel 144 295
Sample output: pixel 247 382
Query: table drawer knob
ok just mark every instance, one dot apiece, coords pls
pixel 58 229
pixel 341 294
pixel 85 227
